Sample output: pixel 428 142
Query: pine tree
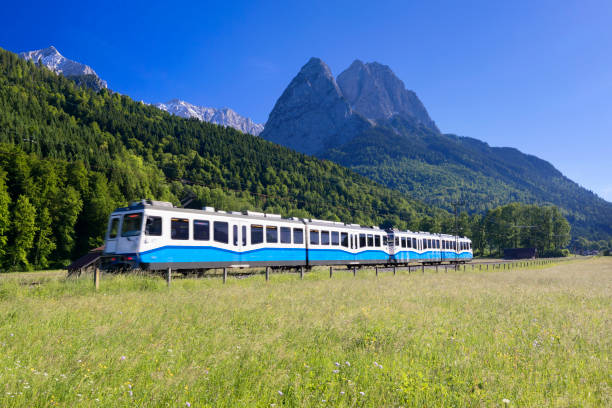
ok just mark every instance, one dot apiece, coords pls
pixel 5 220
pixel 44 244
pixel 23 232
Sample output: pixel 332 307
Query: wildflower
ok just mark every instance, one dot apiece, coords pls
pixel 337 364
pixel 187 404
pixel 341 392
pixel 335 371
pixel 506 401
pixel 361 393
pixel 130 392
pixel 122 358
pixel 347 363
pixel 280 392
pixel 375 364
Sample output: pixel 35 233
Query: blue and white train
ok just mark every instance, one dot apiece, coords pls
pixel 155 235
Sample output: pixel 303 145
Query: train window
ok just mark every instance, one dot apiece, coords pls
pixel 314 237
pixel 132 224
pixel 362 240
pixel 403 242
pixel 114 228
pixel 414 244
pixel 235 230
pixel 221 231
pixel 256 234
pixel 377 240
pixel 429 243
pixel 385 240
pixel 397 241
pixel 244 236
pixel 344 239
pixel 153 226
pixel 271 234
pixel 285 235
pixel 324 237
pixel 179 228
pixel 201 230
pixel 370 240
pixel 298 236
pixel 335 238
pixel 409 243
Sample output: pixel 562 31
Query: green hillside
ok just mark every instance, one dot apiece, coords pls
pixel 442 169
pixel 69 155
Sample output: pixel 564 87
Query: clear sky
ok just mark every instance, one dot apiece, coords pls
pixel 535 75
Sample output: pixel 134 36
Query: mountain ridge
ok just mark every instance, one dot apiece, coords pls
pixel 81 73
pixel 224 116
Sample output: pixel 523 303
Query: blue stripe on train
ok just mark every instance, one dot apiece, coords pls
pixel 213 254
pixel 444 255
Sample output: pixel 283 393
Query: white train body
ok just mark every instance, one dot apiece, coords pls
pixel 155 235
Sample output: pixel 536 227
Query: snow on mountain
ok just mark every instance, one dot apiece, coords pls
pixel 223 116
pixel 56 62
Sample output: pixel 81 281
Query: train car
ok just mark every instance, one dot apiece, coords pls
pixel 155 235
pixel 424 247
pixel 336 243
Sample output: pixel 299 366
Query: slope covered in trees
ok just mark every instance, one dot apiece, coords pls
pixel 442 169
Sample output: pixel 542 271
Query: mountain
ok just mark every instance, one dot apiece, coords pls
pixel 82 74
pixel 398 145
pixel 312 115
pixel 374 91
pixel 224 116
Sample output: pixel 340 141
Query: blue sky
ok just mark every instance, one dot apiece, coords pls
pixel 535 75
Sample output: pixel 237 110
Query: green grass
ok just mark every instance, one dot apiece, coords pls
pixel 535 337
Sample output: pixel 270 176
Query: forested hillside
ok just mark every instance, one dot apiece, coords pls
pixel 444 169
pixel 70 155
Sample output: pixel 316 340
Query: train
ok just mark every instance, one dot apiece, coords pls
pixel 156 235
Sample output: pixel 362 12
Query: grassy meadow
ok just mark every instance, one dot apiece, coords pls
pixel 528 337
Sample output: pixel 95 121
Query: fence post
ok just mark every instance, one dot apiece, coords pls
pixel 169 276
pixel 331 271
pixel 354 271
pixel 423 268
pixel 267 273
pixel 96 278
pixel 376 267
pixel 224 275
pixel 393 270
pixel 301 272
pixel 436 268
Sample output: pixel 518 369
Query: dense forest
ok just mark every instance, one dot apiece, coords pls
pixel 69 156
pixel 442 169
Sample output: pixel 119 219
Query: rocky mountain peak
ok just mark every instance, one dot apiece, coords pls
pixel 56 62
pixel 223 116
pixel 374 90
pixel 311 114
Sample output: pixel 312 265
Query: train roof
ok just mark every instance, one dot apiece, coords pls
pixel 252 215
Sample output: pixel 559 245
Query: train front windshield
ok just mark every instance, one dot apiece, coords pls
pixel 132 225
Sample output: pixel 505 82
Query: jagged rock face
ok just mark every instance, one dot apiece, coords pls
pixel 51 58
pixel 224 116
pixel 312 115
pixel 373 90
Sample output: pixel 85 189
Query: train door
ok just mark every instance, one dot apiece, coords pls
pixel 240 239
pixel 110 247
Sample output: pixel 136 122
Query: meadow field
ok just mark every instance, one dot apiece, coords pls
pixel 528 337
